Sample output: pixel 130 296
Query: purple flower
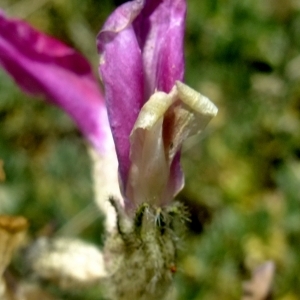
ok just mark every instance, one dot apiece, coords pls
pixel 44 66
pixel 150 111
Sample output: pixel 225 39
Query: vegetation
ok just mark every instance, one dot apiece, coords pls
pixel 242 175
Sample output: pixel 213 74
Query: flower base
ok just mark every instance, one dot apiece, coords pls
pixel 141 255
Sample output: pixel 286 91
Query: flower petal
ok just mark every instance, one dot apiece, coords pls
pixel 121 70
pixel 175 181
pixel 188 116
pixel 163 124
pixel 160 31
pixel 149 170
pixel 199 106
pixel 106 184
pixel 44 66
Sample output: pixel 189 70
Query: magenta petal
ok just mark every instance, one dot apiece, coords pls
pixel 121 69
pixel 42 65
pixel 175 182
pixel 160 31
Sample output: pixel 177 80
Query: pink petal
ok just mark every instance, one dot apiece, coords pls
pixel 160 31
pixel 121 69
pixel 176 180
pixel 44 66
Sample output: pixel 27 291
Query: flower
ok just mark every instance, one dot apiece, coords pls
pixel 150 110
pixel 150 113
pixel 42 65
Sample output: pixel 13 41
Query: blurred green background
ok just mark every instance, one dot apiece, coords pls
pixel 242 174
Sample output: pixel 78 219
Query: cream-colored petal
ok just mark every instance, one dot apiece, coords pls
pixel 105 177
pixel 149 170
pixel 197 102
pixel 202 109
pixel 189 117
pixel 164 122
pixel 153 110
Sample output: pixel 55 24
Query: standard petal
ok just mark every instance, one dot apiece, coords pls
pixel 160 31
pixel 121 70
pixel 44 66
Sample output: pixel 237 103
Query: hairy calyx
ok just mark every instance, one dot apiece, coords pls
pixel 141 255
